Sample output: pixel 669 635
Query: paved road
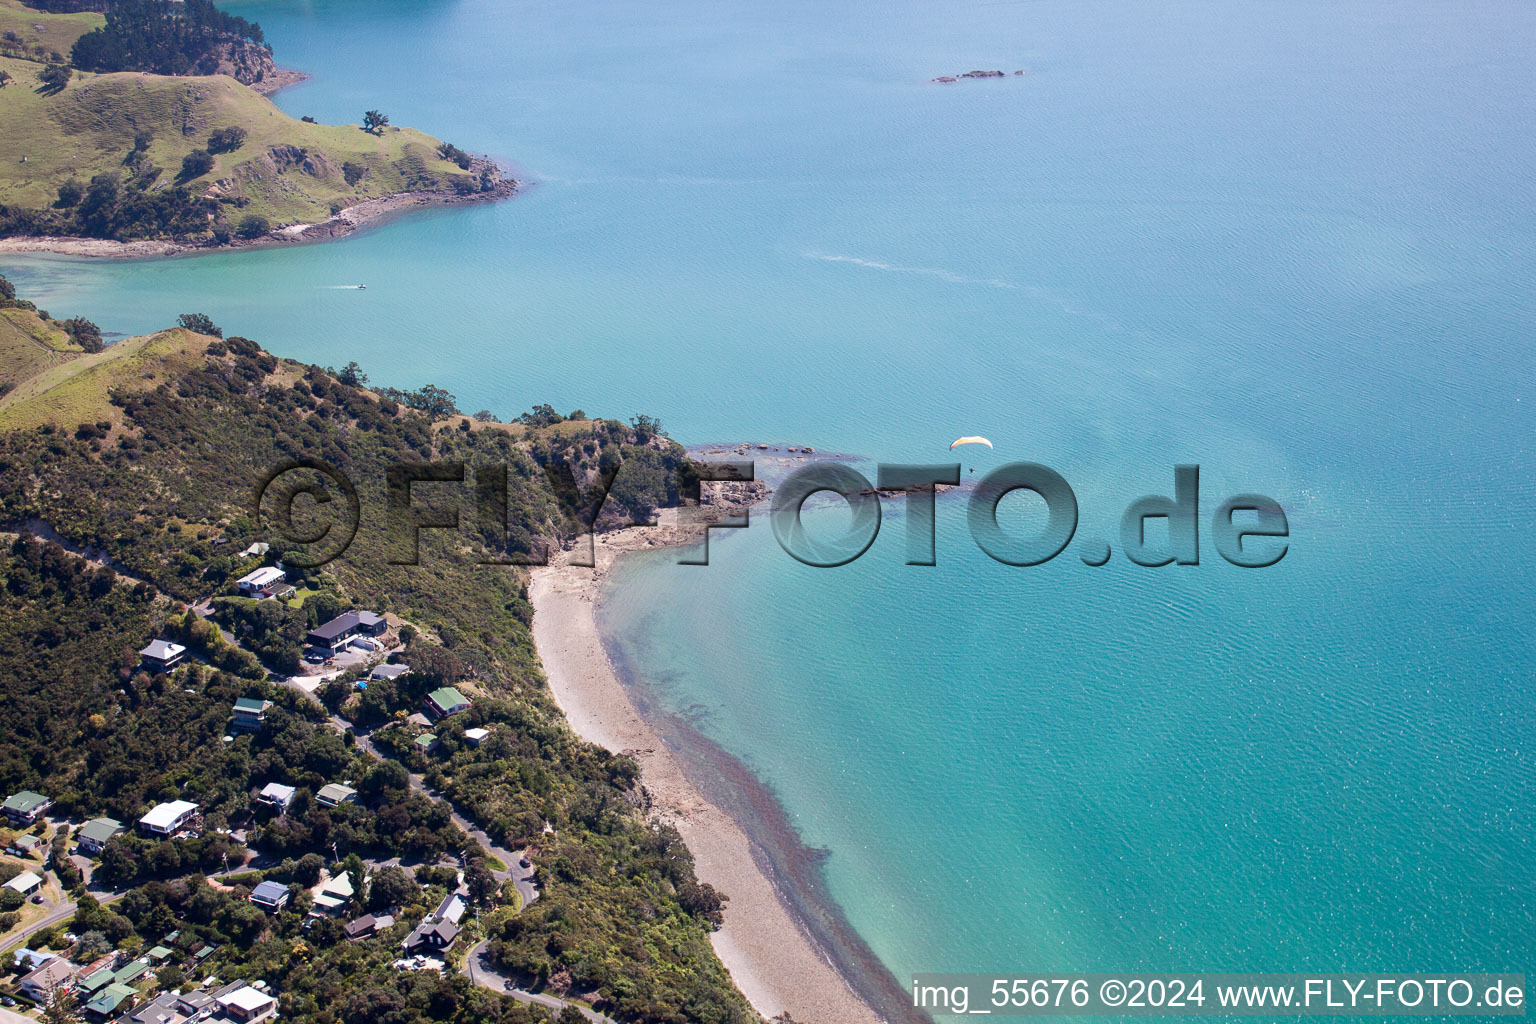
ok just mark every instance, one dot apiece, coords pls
pixel 480 971
pixel 522 878
pixel 62 911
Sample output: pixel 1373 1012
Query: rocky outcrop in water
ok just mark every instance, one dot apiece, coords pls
pixel 947 79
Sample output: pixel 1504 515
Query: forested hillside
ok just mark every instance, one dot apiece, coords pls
pixel 144 457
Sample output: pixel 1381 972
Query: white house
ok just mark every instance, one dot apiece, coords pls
pixel 475 737
pixel 247 1005
pixel 254 583
pixel 275 794
pixel 166 819
pixel 162 655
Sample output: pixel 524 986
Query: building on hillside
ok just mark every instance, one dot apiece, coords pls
pixel 438 930
pixel 475 737
pixel 426 743
pixel 97 833
pixel 335 794
pixel 270 896
pixel 262 582
pixel 249 714
pixel 26 807
pixel 367 925
pixel 41 982
pixel 168 818
pixel 336 634
pixel 26 883
pixel 277 796
pixel 162 655
pixel 446 701
pixel 332 897
pixel 246 1005
pixel 389 671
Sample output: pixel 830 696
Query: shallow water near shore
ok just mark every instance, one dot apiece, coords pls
pixel 1291 243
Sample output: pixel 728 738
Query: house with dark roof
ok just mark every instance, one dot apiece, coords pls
pixel 26 807
pixel 162 655
pixel 438 930
pixel 446 701
pixel 368 924
pixel 336 634
pixel 270 896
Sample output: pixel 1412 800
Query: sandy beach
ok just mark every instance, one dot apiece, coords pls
pixel 773 960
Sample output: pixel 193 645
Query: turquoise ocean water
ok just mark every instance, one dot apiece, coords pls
pixel 1293 243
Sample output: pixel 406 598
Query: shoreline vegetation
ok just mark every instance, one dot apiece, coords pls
pixel 162 140
pixel 779 960
pixel 366 214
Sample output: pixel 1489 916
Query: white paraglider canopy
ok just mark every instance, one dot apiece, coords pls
pixel 972 439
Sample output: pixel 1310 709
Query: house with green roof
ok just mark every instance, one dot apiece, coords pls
pixel 96 833
pixel 446 701
pixel 93 983
pixel 250 714
pixel 26 807
pixel 110 1000
pixel 131 972
pixel 426 742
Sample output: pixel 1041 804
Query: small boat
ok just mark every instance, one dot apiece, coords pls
pixel 361 287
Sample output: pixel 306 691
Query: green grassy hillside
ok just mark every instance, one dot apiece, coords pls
pixel 286 170
pixel 65 387
pixel 55 33
pixel 30 345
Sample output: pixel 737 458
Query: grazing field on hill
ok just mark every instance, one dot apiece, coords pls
pixel 66 391
pixel 285 170
pixel 56 33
